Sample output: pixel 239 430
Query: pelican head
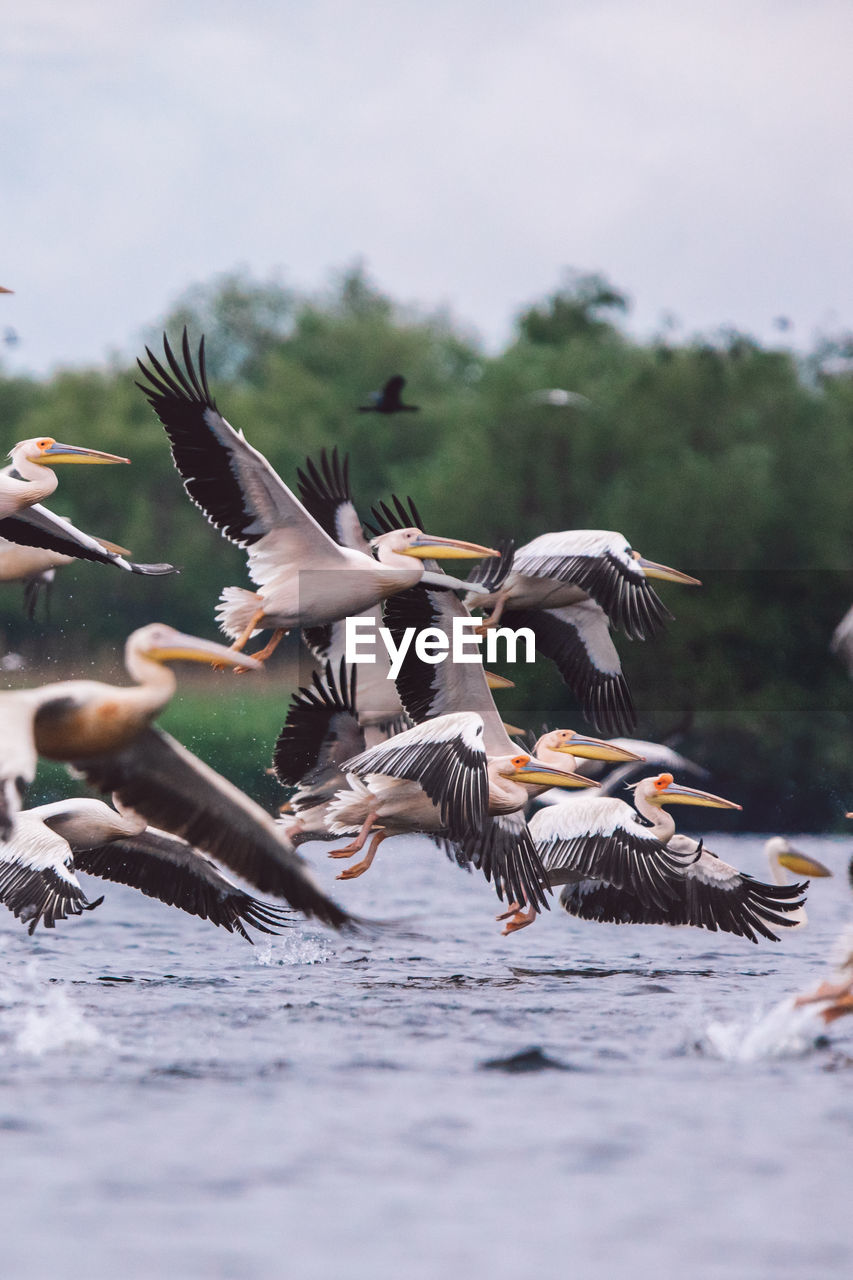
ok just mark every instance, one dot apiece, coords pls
pixel 161 643
pixel 576 744
pixel 425 546
pixel 535 773
pixel 44 451
pixel 652 570
pixel 783 854
pixel 664 790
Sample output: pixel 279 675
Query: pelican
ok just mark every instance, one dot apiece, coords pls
pixel 438 778
pixel 30 477
pixel 304 577
pixel 34 566
pixel 570 588
pixel 25 522
pixel 38 868
pixel 616 868
pixel 105 731
pixel 782 857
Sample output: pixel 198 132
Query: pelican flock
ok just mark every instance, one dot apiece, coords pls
pixel 410 743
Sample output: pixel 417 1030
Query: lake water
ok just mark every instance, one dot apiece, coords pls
pixel 176 1103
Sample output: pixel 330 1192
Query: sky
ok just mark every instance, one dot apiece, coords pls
pixel 469 152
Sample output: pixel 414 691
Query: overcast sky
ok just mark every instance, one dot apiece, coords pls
pixel 468 150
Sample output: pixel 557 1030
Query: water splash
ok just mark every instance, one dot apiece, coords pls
pixel 293 949
pixel 784 1031
pixel 55 1022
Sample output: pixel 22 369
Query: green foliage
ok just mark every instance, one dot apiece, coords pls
pixel 723 458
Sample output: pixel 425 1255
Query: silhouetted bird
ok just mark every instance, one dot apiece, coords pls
pixel 388 400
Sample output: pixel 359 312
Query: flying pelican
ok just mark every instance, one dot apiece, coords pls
pixel 570 588
pixel 616 868
pixel 30 477
pixel 105 732
pixel 52 842
pixel 25 522
pixel 389 399
pixel 437 778
pixel 304 577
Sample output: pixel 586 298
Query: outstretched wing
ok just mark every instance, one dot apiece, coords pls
pixel 231 482
pixel 35 526
pixel 577 639
pixel 446 758
pixel 602 564
pixel 503 849
pixel 174 790
pixel 320 733
pixel 163 867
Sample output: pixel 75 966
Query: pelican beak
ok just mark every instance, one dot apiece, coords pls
pixel 539 774
pixel 673 793
pixel 4 290
pixel 427 547
pixel 183 648
pixel 57 452
pixel 498 682
pixel 596 749
pixel 652 570
pixel 513 730
pixel 802 865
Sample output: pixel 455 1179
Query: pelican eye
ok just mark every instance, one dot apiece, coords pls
pixel 519 762
pixel 662 781
pixel 45 443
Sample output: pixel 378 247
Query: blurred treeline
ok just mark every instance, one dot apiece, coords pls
pixel 721 457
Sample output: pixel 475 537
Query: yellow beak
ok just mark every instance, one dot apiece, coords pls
pixel 802 865
pixel 537 773
pixel 596 749
pixel 184 648
pixel 652 570
pixel 676 794
pixel 498 682
pixel 428 547
pixel 71 453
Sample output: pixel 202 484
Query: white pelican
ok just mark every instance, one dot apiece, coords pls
pixel 569 588
pixel 615 868
pixel 34 566
pixel 782 857
pixel 25 522
pixel 38 868
pixel 304 577
pixel 29 478
pixel 437 778
pixel 105 732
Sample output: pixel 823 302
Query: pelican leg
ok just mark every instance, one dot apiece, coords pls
pixel 356 845
pixel 505 915
pixel 519 921
pixel 837 1010
pixel 494 617
pixel 242 640
pixel 359 868
pixel 826 991
pixel 270 647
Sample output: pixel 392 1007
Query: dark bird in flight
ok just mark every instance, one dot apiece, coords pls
pixel 389 399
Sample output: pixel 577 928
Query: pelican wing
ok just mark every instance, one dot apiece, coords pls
pixel 231 482
pixel 434 689
pixel 446 758
pixel 503 849
pixel 601 564
pixel 712 895
pixel 602 839
pixel 35 526
pixel 163 867
pixel 325 493
pixel 577 639
pixel 320 733
pixel 172 789
pixel 37 880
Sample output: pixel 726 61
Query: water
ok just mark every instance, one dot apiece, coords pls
pixel 576 1100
